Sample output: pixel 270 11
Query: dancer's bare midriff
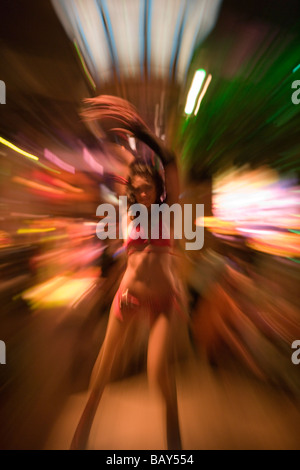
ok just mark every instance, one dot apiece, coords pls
pixel 149 272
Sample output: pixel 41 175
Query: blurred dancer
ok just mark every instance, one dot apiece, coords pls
pixel 148 288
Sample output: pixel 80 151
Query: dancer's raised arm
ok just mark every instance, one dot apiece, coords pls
pixel 118 115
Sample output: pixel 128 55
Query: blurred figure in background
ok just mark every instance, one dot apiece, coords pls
pixel 245 309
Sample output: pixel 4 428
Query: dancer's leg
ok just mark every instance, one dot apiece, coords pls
pixel 161 375
pixel 100 377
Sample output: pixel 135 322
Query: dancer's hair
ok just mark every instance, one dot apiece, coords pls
pixel 112 111
pixel 151 155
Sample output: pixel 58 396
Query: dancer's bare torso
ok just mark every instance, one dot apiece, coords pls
pixel 149 271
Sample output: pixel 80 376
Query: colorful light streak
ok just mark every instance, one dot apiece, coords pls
pixel 206 85
pixel 58 162
pixel 85 69
pixel 194 90
pixel 17 149
pixel 35 230
pixel 38 186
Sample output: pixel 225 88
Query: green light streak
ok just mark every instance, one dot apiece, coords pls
pixel 84 66
pixel 296 68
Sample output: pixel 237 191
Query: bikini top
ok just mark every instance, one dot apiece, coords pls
pixel 137 238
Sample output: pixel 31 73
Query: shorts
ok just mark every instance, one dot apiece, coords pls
pixel 151 306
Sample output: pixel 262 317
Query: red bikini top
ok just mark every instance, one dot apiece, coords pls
pixel 132 242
